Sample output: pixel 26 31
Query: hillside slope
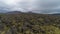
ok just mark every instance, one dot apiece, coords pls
pixel 29 24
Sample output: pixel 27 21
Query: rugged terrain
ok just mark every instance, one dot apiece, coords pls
pixel 26 23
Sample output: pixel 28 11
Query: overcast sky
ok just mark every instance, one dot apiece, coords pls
pixel 37 6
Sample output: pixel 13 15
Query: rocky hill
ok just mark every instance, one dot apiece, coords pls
pixel 26 23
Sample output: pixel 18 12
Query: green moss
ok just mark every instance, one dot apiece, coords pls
pixel 29 24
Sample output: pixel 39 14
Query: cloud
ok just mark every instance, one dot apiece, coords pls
pixel 37 6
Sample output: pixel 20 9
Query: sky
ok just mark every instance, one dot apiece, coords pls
pixel 36 6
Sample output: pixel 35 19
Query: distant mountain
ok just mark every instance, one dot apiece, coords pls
pixel 14 12
pixel 29 12
pixel 19 12
pixel 56 14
